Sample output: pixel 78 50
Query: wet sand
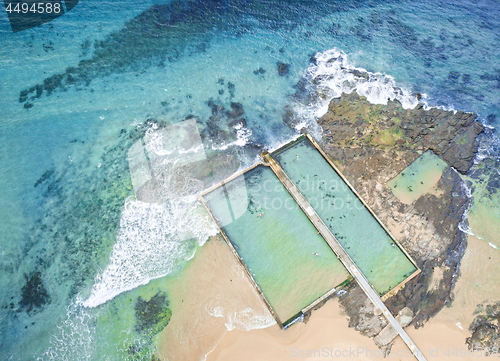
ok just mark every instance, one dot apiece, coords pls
pixel 213 294
pixel 328 328
pixel 210 296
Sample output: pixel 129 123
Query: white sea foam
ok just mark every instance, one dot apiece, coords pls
pixel 248 319
pixel 149 246
pixel 243 134
pixel 489 146
pixel 333 74
pixel 242 319
pixel 74 339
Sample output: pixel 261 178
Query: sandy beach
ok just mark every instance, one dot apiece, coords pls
pixel 325 336
pixel 449 329
pixel 211 296
pixel 219 295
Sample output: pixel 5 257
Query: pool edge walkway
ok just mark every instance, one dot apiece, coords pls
pixel 341 254
pixel 230 244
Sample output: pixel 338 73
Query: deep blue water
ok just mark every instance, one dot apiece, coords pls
pixel 103 69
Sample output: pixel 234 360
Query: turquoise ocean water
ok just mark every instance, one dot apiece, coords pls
pixel 72 91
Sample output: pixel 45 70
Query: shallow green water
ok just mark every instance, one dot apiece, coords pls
pixel 418 178
pixel 289 260
pixel 367 243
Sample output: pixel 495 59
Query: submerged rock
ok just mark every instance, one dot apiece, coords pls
pixel 153 315
pixel 259 71
pixel 283 69
pixel 163 33
pixel 33 294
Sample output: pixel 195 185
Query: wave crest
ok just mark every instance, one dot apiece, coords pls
pixel 331 74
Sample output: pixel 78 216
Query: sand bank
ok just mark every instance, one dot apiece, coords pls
pixel 211 296
pixel 443 337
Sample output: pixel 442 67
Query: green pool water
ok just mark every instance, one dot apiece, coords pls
pixel 288 259
pixel 418 178
pixel 383 263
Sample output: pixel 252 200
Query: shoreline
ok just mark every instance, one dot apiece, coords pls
pixel 425 235
pixel 328 328
pixel 339 316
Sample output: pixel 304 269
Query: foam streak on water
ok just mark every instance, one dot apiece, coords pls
pixel 147 247
pixel 333 74
pixel 74 338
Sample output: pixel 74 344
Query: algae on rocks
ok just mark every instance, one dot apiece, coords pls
pixel 371 144
pixel 153 315
pixel 485 330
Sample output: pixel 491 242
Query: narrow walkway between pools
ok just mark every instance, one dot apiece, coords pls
pixel 341 254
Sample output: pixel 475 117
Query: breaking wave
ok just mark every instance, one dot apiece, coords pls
pixel 75 338
pixel 150 244
pixel 331 74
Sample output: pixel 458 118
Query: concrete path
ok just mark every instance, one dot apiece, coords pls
pixel 342 255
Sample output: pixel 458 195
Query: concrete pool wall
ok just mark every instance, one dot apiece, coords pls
pixel 286 256
pixel 383 261
pixel 286 259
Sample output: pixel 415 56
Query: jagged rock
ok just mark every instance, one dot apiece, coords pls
pixel 361 312
pixel 484 336
pixel 238 123
pixel 485 329
pixel 236 110
pixel 371 144
pixel 360 124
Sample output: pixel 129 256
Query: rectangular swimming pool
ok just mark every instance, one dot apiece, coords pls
pixel 418 178
pixel 370 246
pixel 284 254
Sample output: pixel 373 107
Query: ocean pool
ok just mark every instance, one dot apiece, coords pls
pixel 369 245
pixel 418 178
pixel 282 250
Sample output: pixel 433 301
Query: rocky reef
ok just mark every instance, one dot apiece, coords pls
pixel 80 207
pixel 165 32
pixel 34 295
pixel 372 144
pixel 485 329
pixel 152 315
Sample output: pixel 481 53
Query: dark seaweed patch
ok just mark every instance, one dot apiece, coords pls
pixel 163 32
pixel 259 71
pixel 283 69
pixel 153 315
pixel 33 294
pixel 45 176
